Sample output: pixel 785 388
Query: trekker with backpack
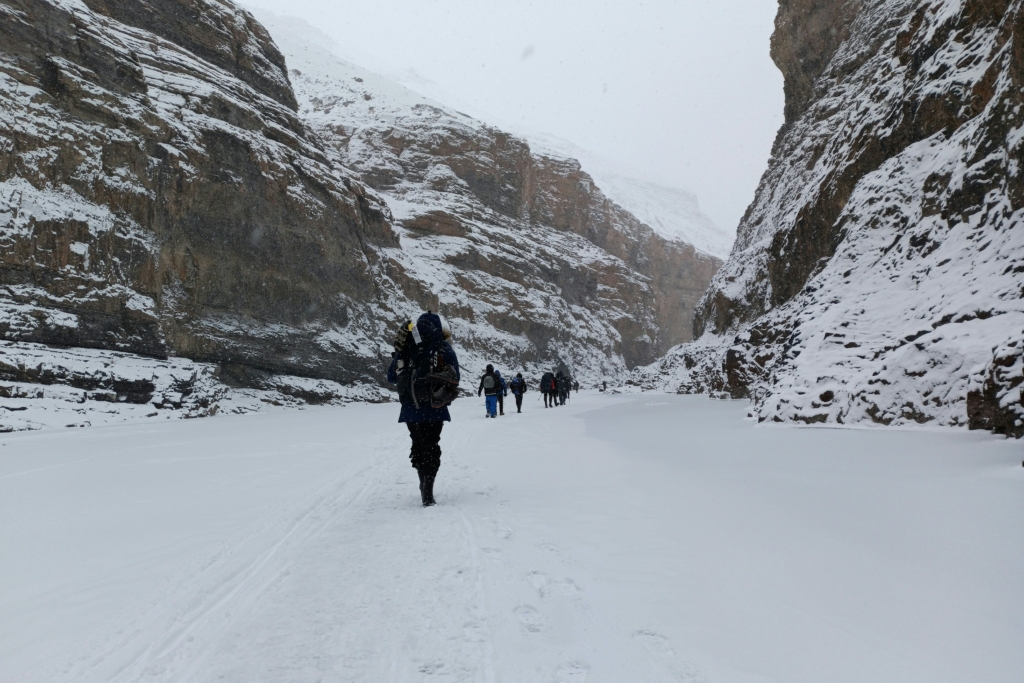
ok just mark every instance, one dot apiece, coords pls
pixel 490 387
pixel 501 394
pixel 426 370
pixel 547 382
pixel 518 387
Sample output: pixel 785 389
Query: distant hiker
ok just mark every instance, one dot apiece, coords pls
pixel 576 386
pixel 518 387
pixel 560 388
pixel 604 386
pixel 490 387
pixel 547 388
pixel 501 394
pixel 426 370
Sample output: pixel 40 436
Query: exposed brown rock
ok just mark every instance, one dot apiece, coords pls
pixel 157 204
pixel 880 261
pixel 998 403
pixel 161 194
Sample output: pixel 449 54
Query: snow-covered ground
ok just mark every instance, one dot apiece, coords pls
pixel 621 538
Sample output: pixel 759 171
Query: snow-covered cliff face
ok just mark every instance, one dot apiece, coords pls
pixel 530 261
pixel 673 213
pixel 164 191
pixel 158 202
pixel 878 274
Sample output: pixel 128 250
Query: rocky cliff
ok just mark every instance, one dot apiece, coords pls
pixel 523 252
pixel 169 189
pixel 878 274
pixel 156 201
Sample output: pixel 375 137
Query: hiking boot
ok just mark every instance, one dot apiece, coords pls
pixel 427 490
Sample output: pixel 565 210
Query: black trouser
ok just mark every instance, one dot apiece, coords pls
pixel 519 403
pixel 548 399
pixel 426 446
pixel 501 403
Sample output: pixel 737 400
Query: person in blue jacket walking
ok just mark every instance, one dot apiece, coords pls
pixel 429 338
pixel 501 394
pixel 490 387
pixel 518 387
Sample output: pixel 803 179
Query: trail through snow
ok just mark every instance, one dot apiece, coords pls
pixel 652 538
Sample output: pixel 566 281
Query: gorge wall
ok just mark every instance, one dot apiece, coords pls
pixel 165 191
pixel 878 274
pixel 522 251
pixel 159 203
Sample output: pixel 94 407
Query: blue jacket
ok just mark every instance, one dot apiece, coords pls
pixel 501 381
pixel 429 326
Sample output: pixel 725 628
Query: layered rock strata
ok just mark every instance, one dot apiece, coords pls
pixel 158 202
pixel 878 274
pixel 523 252
pixel 166 192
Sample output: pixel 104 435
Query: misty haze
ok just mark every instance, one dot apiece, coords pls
pixel 567 342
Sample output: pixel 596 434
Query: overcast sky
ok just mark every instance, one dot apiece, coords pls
pixel 682 93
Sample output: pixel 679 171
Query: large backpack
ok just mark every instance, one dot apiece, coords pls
pixel 424 378
pixel 440 385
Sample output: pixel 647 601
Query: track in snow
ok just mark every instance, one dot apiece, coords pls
pixel 655 538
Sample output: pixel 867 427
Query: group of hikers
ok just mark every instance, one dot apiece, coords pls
pixel 555 387
pixel 426 371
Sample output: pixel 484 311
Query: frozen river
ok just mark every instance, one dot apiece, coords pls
pixel 646 538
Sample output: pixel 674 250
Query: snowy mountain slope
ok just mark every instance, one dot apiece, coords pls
pixel 878 274
pixel 672 212
pixel 527 256
pixel 163 194
pixel 159 202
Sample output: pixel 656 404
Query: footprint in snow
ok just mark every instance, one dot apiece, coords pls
pixel 530 618
pixel 574 672
pixel 432 668
pixel 496 555
pixel 661 651
pixel 546 586
pixel 475 632
pixel 540 583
